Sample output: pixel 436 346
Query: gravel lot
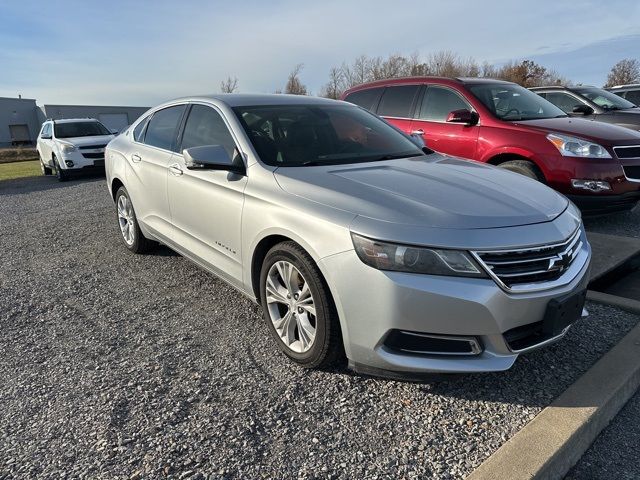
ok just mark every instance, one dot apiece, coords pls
pixel 122 366
pixel 622 436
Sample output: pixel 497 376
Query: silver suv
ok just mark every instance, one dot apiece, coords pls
pixel 353 239
pixel 72 145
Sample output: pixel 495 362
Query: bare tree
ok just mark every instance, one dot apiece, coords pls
pixel 624 72
pixel 335 86
pixel 230 85
pixel 294 85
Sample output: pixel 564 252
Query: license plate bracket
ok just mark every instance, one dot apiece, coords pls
pixel 562 312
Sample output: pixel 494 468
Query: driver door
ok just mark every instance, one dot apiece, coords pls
pixel 206 205
pixel 430 121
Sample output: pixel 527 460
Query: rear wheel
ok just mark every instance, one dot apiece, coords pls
pixel 45 170
pixel 523 167
pixel 298 307
pixel 130 231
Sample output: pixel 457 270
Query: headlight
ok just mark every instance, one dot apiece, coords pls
pixel 577 147
pixel 67 148
pixel 406 258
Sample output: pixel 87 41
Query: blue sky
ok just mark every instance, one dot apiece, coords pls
pixel 117 52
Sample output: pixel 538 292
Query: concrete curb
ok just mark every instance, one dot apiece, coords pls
pixel 622 303
pixel 554 441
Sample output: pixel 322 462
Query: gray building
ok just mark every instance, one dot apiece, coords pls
pixel 20 121
pixel 114 118
pixel 21 118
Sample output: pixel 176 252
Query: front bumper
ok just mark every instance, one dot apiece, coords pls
pixel 373 303
pixel 601 204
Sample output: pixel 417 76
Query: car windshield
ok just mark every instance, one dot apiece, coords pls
pixel 604 99
pixel 512 102
pixel 80 129
pixel 310 135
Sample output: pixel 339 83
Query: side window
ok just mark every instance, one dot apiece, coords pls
pixel 138 132
pixel 439 102
pixel 397 101
pixel 563 101
pixel 205 126
pixel 633 96
pixel 163 126
pixel 365 98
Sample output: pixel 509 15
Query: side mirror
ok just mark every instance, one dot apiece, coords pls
pixel 212 157
pixel 464 116
pixel 584 109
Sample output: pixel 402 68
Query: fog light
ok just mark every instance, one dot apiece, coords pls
pixel 592 185
pixel 68 163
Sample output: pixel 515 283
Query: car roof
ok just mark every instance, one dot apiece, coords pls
pixel 628 85
pixel 73 120
pixel 252 99
pixel 563 87
pixel 426 79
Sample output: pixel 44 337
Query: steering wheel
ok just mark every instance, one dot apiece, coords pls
pixel 511 110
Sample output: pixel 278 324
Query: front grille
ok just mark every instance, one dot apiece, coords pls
pixel 92 147
pixel 632 151
pixel 93 154
pixel 525 336
pixel 531 265
pixel 632 172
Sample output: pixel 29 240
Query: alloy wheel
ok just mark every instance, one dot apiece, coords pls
pixel 291 306
pixel 126 219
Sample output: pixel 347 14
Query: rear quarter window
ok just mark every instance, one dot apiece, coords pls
pixel 365 98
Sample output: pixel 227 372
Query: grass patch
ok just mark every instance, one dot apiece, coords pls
pixel 19 170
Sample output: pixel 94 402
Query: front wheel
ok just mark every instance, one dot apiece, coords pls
pixel 130 231
pixel 61 175
pixel 523 167
pixel 298 307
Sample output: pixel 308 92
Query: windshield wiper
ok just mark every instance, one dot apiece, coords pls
pixel 396 156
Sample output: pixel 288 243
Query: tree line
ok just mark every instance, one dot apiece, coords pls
pixel 443 64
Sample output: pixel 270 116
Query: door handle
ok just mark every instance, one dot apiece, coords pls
pixel 418 132
pixel 136 158
pixel 175 169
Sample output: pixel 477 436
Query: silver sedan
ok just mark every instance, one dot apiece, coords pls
pixel 357 241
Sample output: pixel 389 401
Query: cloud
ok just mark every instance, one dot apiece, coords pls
pixel 142 53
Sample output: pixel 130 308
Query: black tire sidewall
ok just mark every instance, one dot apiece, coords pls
pixel 316 353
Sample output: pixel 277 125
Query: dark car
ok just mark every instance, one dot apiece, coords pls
pixel 628 92
pixel 593 103
pixel 501 123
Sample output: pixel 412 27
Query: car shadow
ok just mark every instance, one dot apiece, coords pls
pixel 25 185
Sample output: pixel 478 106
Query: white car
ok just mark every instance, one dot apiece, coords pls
pixel 71 145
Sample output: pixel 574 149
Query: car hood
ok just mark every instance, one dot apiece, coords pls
pixel 85 141
pixel 434 191
pixel 600 132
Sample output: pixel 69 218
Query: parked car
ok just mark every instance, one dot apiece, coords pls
pixel 72 145
pixel 629 92
pixel 592 103
pixel 500 123
pixel 351 237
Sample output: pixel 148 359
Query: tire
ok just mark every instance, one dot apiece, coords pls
pixel 523 167
pixel 130 232
pixel 45 170
pixel 326 348
pixel 61 175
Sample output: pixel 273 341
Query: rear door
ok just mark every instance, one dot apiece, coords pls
pixel 431 122
pixel 150 156
pixel 397 105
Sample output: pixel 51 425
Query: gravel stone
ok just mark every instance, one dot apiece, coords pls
pixel 115 365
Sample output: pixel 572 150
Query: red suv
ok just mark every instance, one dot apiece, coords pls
pixel 595 164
